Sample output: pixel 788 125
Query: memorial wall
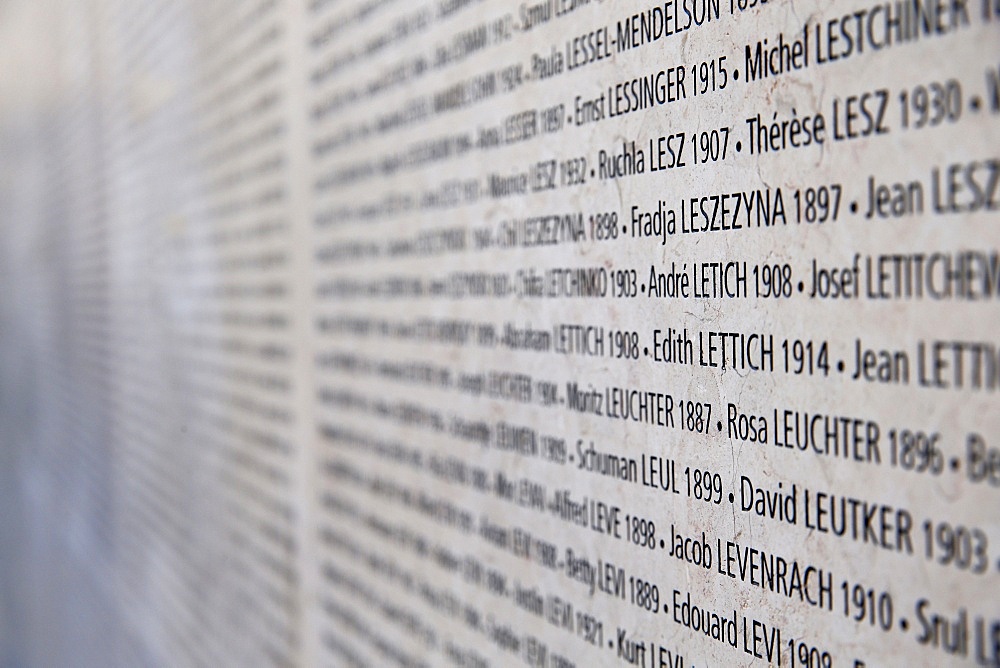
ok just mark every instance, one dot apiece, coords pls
pixel 473 333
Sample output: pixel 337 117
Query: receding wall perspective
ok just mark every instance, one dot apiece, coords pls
pixel 474 333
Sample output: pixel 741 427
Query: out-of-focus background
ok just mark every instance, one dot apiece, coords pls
pixel 146 471
pixel 57 582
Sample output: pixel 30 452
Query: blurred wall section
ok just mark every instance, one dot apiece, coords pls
pixel 146 406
